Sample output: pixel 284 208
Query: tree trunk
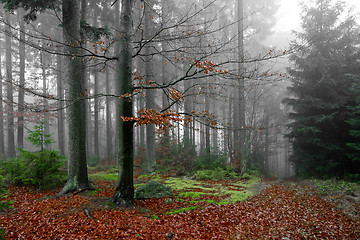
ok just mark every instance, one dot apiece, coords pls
pixel 2 113
pixel 86 84
pixel 96 114
pixel 239 107
pixel 150 96
pixel 60 94
pixel 109 138
pixel 20 122
pixel 267 142
pixel 214 130
pixel 207 123
pixel 124 192
pixel 45 101
pixel 77 166
pixel 9 90
pixel 187 106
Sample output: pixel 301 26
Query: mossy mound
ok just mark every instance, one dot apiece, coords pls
pixel 153 189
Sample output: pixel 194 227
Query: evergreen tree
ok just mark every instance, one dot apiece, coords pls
pixel 354 122
pixel 325 51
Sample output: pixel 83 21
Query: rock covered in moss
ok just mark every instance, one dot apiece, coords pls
pixel 153 189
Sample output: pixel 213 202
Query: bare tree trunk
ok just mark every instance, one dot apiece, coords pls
pixel 9 90
pixel 60 94
pixel 20 123
pixel 239 107
pixel 45 101
pixel 96 114
pixel 124 192
pixel 267 142
pixel 77 165
pixel 109 142
pixel 187 106
pixel 2 113
pixel 86 84
pixel 150 96
pixel 207 123
pixel 214 130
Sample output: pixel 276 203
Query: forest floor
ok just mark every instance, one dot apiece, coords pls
pixel 199 210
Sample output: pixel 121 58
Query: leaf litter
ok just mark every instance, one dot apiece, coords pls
pixel 279 211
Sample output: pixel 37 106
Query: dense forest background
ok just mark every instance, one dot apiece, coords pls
pixel 206 86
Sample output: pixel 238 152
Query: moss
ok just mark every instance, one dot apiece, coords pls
pixel 217 189
pixel 191 194
pixel 151 176
pixel 138 185
pixel 103 176
pixel 236 196
pixel 154 217
pixel 181 210
pixel 203 200
pixel 182 184
pixel 153 189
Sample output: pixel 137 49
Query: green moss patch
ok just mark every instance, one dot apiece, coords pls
pixel 153 189
pixel 220 192
pixel 181 210
pixel 110 177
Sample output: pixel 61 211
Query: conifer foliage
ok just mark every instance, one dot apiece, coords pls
pixel 324 53
pixel 354 122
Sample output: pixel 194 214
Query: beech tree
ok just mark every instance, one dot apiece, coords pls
pixel 77 167
pixel 9 90
pixel 124 192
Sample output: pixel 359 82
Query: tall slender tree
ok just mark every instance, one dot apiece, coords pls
pixel 2 113
pixel 124 192
pixel 60 105
pixel 239 105
pixel 21 101
pixel 150 93
pixel 9 89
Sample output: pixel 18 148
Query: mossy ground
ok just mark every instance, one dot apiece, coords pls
pixel 193 193
pixel 229 190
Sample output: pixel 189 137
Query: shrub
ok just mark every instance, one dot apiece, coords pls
pixel 3 204
pixel 41 168
pixel 216 174
pixel 93 160
pixel 210 162
pixel 3 192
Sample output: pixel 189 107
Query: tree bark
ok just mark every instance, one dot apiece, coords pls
pixel 239 107
pixel 109 142
pixel 242 87
pixel 45 101
pixel 96 114
pixel 124 192
pixel 77 166
pixel 9 90
pixel 60 94
pixel 2 143
pixel 21 101
pixel 150 96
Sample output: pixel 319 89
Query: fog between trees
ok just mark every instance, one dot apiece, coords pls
pixel 154 80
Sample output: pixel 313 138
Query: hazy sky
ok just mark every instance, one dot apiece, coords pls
pixel 288 17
